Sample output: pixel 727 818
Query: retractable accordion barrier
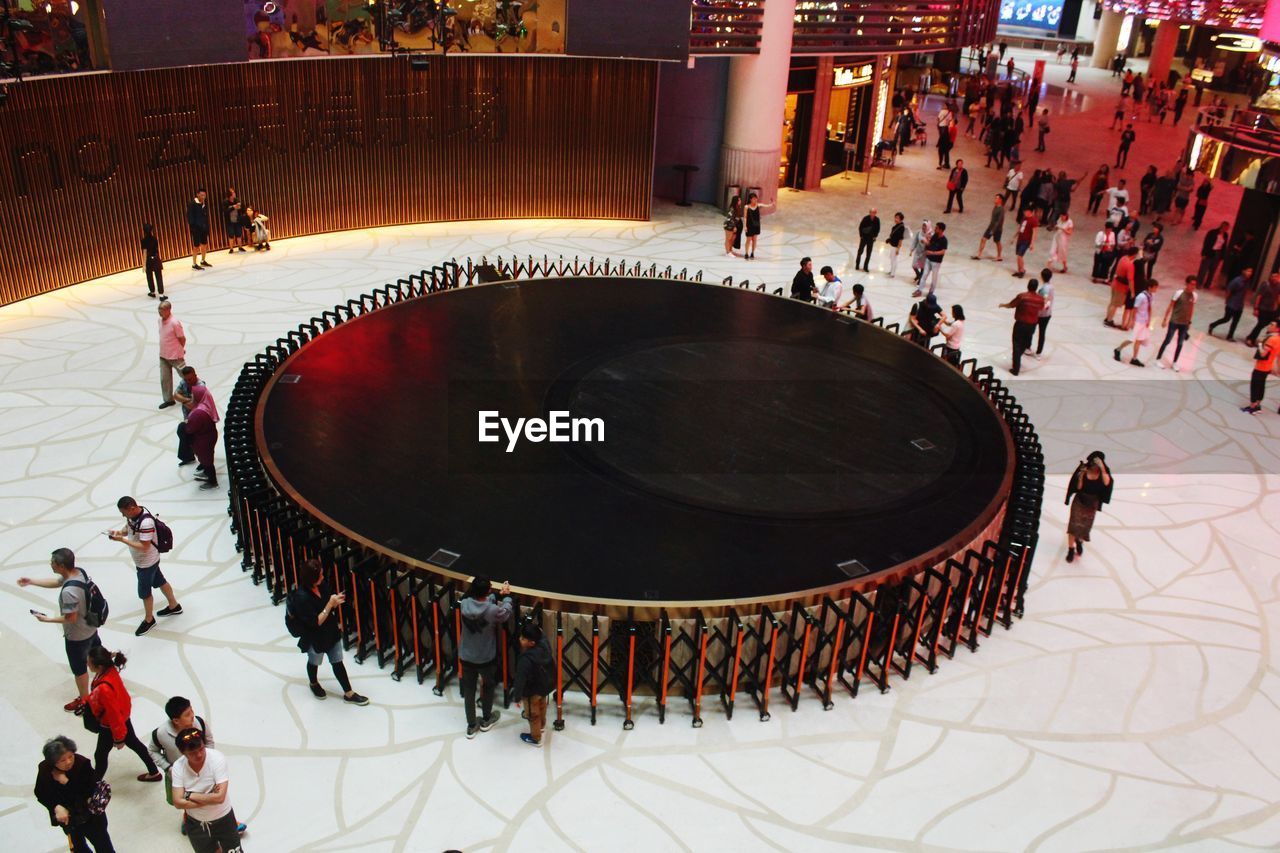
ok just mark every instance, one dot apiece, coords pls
pixel 744 534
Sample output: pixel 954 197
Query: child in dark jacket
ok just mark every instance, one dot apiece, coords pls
pixel 535 678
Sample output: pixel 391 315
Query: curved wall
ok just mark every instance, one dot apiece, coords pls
pixel 320 145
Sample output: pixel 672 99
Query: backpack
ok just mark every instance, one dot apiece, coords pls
pixel 291 623
pixel 96 609
pixel 164 534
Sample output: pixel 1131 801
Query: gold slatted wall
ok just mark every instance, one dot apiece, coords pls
pixel 323 145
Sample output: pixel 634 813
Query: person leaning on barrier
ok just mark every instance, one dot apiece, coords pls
pixel 478 650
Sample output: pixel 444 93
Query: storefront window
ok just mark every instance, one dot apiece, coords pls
pixel 44 37
pixel 281 29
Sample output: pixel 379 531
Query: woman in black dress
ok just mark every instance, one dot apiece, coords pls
pixel 151 261
pixel 1091 487
pixel 753 224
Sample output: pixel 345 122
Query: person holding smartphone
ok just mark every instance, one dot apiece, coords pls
pixel 78 636
pixel 313 608
pixel 1089 489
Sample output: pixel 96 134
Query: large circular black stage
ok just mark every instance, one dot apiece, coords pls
pixel 752 444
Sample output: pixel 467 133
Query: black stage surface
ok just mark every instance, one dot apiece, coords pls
pixel 752 443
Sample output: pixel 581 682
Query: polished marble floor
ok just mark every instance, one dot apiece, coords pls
pixel 1135 707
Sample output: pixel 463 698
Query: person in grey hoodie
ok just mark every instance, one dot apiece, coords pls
pixel 478 650
pixel 535 678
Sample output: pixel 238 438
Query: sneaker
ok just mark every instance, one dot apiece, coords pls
pixel 166 404
pixel 242 249
pixel 1071 556
pixel 1160 363
pixel 196 267
pixel 472 731
pixel 170 611
pixel 150 777
pixel 1176 369
pixel 202 475
pixel 1136 363
pixel 317 691
pixel 208 485
pixel 528 738
pixel 1079 547
pixel 1116 354
pixel 182 462
pixel 355 699
pixel 144 627
pixel 74 705
pixel 205 264
pixel 152 295
pixel 1249 410
pixel 490 721
pixel 1034 355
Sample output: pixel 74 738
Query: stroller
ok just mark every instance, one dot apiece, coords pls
pixel 922 133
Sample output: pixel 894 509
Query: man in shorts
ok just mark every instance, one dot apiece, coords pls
pixel 198 222
pixel 995 230
pixel 139 533
pixel 1142 314
pixel 78 636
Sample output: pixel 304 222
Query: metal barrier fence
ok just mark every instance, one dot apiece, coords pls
pixel 409 622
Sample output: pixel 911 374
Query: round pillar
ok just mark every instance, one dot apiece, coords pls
pixel 1107 39
pixel 1162 50
pixel 755 104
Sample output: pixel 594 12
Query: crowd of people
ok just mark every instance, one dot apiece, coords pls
pixel 1131 233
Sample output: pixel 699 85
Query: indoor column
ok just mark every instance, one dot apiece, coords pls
pixel 1162 50
pixel 755 104
pixel 1107 39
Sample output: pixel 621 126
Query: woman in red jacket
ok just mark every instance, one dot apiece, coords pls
pixel 110 705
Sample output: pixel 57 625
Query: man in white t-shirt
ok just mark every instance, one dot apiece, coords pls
pixel 1117 196
pixel 200 786
pixel 139 533
pixel 1142 314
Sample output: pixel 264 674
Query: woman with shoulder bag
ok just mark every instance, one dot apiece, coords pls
pixel 67 786
pixel 1090 487
pixel 107 712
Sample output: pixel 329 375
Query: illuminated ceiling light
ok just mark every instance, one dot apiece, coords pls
pixel 75 8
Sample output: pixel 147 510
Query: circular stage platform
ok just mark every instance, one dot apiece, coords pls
pixel 755 449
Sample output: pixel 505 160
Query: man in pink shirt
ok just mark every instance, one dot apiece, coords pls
pixel 173 351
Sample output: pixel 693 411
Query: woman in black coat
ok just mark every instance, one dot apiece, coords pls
pixel 64 783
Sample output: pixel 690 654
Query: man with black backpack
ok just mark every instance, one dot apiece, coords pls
pixel 478 651
pixel 147 537
pixel 82 609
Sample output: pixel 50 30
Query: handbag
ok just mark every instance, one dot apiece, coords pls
pixel 98 800
pixel 90 720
